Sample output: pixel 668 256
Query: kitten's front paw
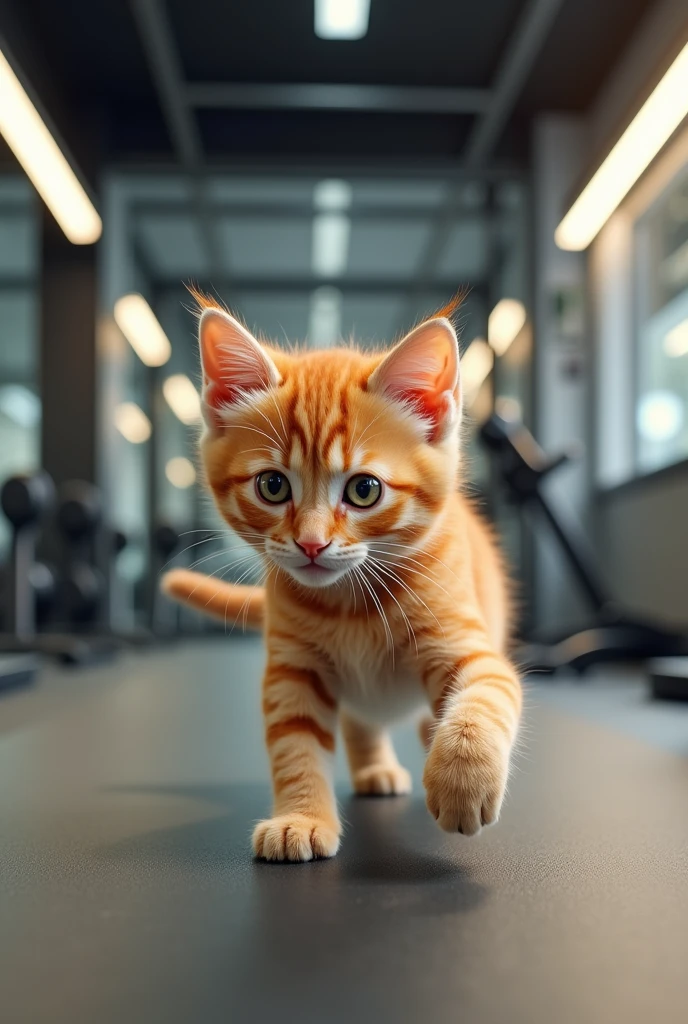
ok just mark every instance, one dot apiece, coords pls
pixel 382 780
pixel 465 774
pixel 295 837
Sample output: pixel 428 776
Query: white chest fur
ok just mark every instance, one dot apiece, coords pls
pixel 376 687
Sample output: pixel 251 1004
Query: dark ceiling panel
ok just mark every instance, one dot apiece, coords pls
pixel 92 47
pixel 91 54
pixel 440 42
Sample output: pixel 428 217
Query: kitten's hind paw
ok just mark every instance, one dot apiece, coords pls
pixel 295 837
pixel 382 780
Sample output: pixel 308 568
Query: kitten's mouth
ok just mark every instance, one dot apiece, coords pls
pixel 316 571
pixel 314 575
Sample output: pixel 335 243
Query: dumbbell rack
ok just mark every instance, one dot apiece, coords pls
pixel 26 502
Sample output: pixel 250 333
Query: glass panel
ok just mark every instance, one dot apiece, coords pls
pixel 661 249
pixel 20 405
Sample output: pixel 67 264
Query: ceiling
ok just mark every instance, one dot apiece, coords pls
pixel 106 72
pixel 223 118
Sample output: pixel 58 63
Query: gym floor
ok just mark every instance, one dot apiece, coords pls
pixel 128 892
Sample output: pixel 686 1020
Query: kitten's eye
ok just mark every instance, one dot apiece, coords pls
pixel 362 491
pixel 273 487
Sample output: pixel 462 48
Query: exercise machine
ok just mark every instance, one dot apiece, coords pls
pixel 613 635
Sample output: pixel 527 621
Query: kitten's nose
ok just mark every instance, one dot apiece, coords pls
pixel 312 548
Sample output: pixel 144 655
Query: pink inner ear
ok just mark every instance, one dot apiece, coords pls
pixel 423 370
pixel 233 362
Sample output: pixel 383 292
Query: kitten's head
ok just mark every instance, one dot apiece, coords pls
pixel 330 461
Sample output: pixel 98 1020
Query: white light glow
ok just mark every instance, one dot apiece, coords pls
pixel 676 340
pixel 660 416
pixel 330 244
pixel 655 122
pixel 341 19
pixel 332 195
pixel 476 365
pixel 139 325
pixel 132 422
pixel 182 398
pixel 325 318
pixel 180 472
pixel 44 162
pixel 20 405
pixel 504 324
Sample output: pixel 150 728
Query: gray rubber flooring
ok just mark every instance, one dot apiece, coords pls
pixel 128 893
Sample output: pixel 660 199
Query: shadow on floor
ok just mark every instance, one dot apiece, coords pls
pixel 389 845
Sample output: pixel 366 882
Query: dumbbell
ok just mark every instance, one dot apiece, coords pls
pixel 26 500
pixel 79 518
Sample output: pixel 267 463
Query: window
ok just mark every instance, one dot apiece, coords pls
pixel 661 289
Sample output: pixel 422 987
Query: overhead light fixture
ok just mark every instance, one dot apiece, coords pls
pixel 132 422
pixel 332 194
pixel 655 122
pixel 44 162
pixel 20 405
pixel 676 340
pixel 341 19
pixel 180 472
pixel 139 325
pixel 330 252
pixel 182 398
pixel 476 364
pixel 325 317
pixel 504 324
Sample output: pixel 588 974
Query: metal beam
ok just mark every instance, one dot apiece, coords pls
pixel 304 285
pixel 322 96
pixel 386 169
pixel 514 67
pixel 300 210
pixel 165 66
pixel 512 72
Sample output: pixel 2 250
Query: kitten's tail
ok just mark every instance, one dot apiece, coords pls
pixel 226 601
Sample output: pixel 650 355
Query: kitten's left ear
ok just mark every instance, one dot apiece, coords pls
pixel 422 371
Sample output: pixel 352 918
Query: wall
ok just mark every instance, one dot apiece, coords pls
pixel 643 539
pixel 640 528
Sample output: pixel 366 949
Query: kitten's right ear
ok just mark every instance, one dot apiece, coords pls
pixel 233 362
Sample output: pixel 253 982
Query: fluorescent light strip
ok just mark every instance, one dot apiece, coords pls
pixel 182 398
pixel 139 325
pixel 341 19
pixel 655 122
pixel 180 472
pixel 325 319
pixel 504 324
pixel 331 233
pixel 45 164
pixel 332 194
pixel 132 422
pixel 476 365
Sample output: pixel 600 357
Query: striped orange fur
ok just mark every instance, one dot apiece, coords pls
pixel 385 592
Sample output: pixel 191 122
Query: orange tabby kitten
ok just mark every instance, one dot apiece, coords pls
pixel 386 592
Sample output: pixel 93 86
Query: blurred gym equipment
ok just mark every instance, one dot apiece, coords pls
pixel 164 617
pixel 613 635
pixel 27 501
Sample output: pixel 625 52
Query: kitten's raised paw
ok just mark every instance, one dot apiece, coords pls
pixel 465 775
pixel 295 837
pixel 382 780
